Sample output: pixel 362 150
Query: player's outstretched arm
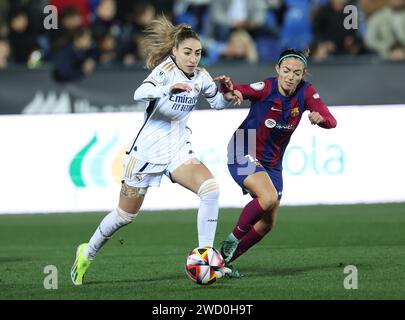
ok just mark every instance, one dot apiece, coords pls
pixel 217 99
pixel 254 91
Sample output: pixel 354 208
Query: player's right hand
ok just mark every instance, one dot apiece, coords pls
pixel 234 96
pixel 225 80
pixel 315 118
pixel 180 87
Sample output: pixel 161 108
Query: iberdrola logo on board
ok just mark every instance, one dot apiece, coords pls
pixel 97 164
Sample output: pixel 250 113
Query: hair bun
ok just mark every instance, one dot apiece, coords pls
pixel 306 52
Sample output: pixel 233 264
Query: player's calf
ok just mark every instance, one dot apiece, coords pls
pixel 207 217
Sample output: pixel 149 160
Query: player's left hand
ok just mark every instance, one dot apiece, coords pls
pixel 225 80
pixel 315 118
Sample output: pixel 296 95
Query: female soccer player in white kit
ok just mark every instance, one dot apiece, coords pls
pixel 162 145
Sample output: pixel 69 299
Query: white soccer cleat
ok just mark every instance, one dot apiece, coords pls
pixel 222 272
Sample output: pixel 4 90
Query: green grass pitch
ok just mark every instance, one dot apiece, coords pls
pixel 303 258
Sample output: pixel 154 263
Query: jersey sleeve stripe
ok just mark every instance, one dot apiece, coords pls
pixel 151 82
pixel 169 67
pixel 216 92
pixel 167 64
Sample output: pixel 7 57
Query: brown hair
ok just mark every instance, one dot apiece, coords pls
pixel 302 55
pixel 161 36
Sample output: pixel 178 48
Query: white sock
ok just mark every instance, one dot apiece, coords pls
pixel 207 213
pixel 108 226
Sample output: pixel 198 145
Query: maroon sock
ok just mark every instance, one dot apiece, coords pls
pixel 249 240
pixel 249 216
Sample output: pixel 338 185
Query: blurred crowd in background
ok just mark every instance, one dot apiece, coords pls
pixel 94 33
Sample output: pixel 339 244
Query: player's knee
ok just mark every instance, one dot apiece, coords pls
pixel 209 189
pixel 126 217
pixel 270 223
pixel 268 201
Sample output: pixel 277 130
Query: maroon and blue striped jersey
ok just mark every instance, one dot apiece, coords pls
pixel 273 119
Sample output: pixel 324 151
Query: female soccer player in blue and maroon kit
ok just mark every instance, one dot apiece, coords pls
pixel 255 152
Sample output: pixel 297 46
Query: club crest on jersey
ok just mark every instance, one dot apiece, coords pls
pixel 295 112
pixel 270 123
pixel 257 86
pixel 159 76
pixel 196 87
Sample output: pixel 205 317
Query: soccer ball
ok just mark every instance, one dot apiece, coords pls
pixel 203 265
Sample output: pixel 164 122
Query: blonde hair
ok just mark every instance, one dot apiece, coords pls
pixel 242 39
pixel 160 38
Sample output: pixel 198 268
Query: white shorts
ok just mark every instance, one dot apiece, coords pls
pixel 142 174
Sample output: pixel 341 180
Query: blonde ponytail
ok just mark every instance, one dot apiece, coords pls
pixel 160 38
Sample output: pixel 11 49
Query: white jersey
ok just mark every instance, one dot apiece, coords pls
pixel 165 131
